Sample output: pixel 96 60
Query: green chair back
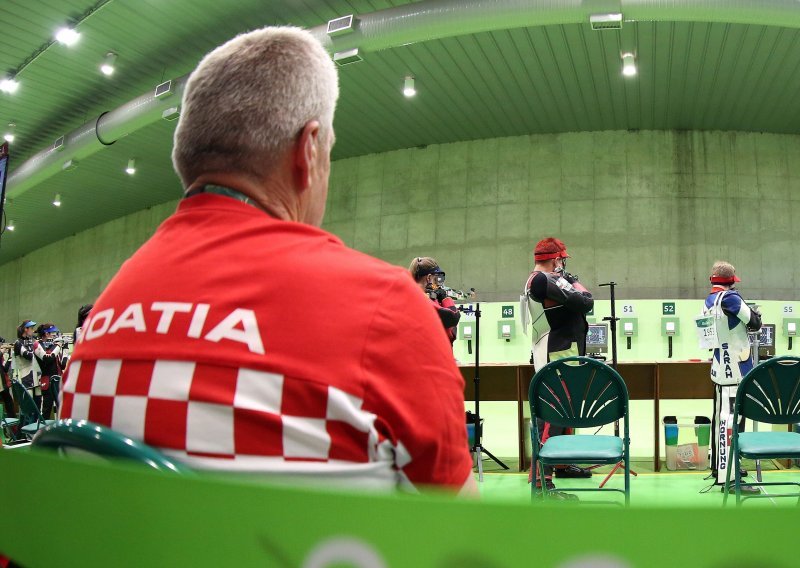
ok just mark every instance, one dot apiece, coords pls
pixel 28 411
pixel 770 392
pixel 578 392
pixel 104 442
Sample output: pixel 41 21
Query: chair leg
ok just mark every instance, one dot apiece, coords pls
pixel 627 478
pixel 737 476
pixel 543 480
pixel 727 487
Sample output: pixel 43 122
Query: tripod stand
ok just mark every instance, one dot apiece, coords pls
pixel 612 320
pixel 477 447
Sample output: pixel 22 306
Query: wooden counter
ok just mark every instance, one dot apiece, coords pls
pixel 649 380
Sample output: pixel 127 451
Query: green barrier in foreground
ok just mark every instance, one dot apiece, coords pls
pixel 65 513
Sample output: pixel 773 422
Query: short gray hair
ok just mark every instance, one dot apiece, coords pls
pixel 723 269
pixel 247 101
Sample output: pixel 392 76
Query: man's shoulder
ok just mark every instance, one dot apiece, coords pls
pixel 337 262
pixel 536 276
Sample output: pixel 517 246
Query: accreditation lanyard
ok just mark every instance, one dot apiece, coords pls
pixel 220 190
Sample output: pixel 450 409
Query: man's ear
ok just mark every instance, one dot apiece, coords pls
pixel 306 150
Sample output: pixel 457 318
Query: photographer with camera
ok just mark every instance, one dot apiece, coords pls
pixel 52 359
pixel 25 362
pixel 430 278
pixel 558 314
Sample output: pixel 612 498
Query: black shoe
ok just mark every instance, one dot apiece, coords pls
pixel 742 473
pixel 573 471
pixel 746 489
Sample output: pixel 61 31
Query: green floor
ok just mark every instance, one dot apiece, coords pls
pixel 684 489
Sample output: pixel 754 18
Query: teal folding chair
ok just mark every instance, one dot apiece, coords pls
pixel 7 425
pixel 579 392
pixel 769 393
pixel 97 440
pixel 31 419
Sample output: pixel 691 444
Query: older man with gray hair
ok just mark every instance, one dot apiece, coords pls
pixel 243 338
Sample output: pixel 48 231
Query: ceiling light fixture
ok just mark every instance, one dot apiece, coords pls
pixel 131 169
pixel 408 87
pixel 107 68
pixel 67 36
pixel 342 58
pixel 9 135
pixel 606 21
pixel 10 226
pixel 628 64
pixel 57 200
pixel 9 85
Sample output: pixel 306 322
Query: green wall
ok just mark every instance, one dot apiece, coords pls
pixel 650 210
pixel 51 283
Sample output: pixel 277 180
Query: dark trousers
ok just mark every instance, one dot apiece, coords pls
pixel 8 403
pixel 48 402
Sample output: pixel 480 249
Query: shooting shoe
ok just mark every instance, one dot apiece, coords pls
pixel 572 471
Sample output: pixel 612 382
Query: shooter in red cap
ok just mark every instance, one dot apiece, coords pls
pixel 558 305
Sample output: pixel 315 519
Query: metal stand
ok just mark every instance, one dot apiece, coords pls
pixel 477 448
pixel 755 340
pixel 613 326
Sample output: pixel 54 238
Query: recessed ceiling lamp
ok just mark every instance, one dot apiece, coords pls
pixel 131 169
pixel 67 36
pixel 57 200
pixel 628 64
pixel 9 85
pixel 9 135
pixel 408 87
pixel 107 68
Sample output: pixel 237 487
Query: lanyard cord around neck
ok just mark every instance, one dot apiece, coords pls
pixel 220 190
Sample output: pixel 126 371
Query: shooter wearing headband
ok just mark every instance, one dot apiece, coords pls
pixel 52 359
pixel 430 278
pixel 24 361
pixel 558 315
pixel 733 318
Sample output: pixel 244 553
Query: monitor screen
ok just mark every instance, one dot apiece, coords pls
pixel 597 338
pixel 767 335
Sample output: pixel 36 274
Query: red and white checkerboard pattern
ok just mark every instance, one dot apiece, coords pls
pixel 215 413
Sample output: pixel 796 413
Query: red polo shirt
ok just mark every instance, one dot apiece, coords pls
pixel 235 341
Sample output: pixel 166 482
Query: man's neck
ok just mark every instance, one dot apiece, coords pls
pixel 276 206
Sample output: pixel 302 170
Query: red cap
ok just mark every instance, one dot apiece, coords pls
pixel 550 248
